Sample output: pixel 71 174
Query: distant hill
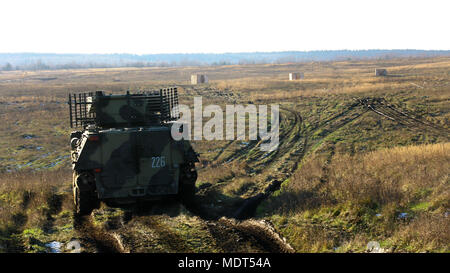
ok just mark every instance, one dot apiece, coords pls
pixel 43 61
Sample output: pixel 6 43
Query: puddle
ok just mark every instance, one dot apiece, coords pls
pixel 229 160
pixel 28 164
pixel 28 136
pixel 57 161
pixel 403 215
pixel 244 144
pixel 45 155
pixel 54 247
pixel 21 147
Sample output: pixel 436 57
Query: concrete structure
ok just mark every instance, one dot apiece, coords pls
pixel 295 76
pixel 199 78
pixel 380 72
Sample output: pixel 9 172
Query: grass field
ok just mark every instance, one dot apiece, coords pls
pixel 361 158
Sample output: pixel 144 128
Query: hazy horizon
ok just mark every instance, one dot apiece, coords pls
pixel 45 61
pixel 223 53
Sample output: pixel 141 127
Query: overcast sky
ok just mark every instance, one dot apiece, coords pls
pixel 145 27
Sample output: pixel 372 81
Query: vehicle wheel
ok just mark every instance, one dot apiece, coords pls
pixel 84 194
pixel 83 202
pixel 187 192
pixel 188 176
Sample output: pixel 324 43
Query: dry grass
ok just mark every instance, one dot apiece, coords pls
pixel 223 172
pixel 29 206
pixel 364 196
pixel 396 175
pixel 389 176
pixel 426 233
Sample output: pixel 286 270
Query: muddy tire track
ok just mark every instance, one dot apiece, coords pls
pixel 381 107
pixel 173 241
pixel 291 151
pixel 96 239
pixel 54 203
pixel 259 235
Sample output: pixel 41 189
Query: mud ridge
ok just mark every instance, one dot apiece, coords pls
pixel 260 233
pixel 96 238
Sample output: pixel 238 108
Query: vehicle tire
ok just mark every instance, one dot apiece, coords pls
pixel 187 192
pixel 188 176
pixel 84 194
pixel 83 202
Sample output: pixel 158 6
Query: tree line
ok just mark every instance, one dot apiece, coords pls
pixel 45 61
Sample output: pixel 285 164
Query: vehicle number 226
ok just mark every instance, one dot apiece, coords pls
pixel 158 161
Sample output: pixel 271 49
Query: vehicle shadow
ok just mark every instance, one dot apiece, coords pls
pixel 208 204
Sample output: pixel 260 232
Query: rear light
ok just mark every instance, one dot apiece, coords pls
pixel 98 170
pixel 93 138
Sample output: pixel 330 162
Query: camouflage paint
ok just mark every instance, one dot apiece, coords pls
pixel 129 110
pixel 141 160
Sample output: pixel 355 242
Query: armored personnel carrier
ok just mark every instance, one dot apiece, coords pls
pixel 124 152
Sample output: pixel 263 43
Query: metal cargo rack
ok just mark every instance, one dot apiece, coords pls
pixel 78 108
pixel 161 106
